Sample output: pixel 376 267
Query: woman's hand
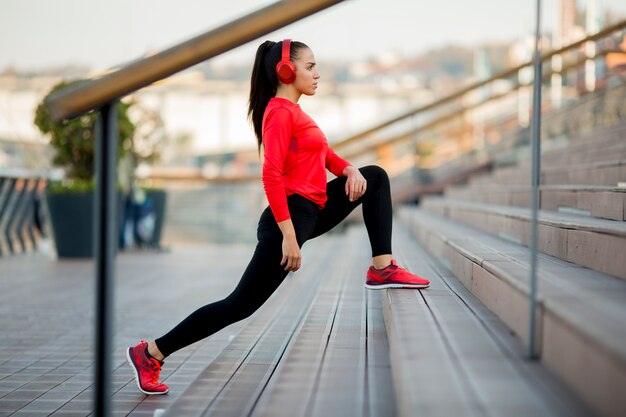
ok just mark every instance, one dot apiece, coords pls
pixel 292 258
pixel 355 184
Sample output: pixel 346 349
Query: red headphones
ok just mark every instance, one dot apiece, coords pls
pixel 285 70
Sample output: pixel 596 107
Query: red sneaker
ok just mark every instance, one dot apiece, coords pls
pixel 146 370
pixel 393 276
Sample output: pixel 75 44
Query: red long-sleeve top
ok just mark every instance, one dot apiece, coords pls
pixel 296 157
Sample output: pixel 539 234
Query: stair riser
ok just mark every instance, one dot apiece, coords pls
pixel 564 160
pixel 597 251
pixel 598 378
pixel 602 176
pixel 610 175
pixel 581 153
pixel 507 302
pixel 604 205
pixel 587 157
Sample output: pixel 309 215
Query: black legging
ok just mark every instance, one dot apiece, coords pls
pixel 264 273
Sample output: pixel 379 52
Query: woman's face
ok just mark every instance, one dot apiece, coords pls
pixel 306 72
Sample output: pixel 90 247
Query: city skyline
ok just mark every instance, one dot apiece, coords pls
pixel 125 31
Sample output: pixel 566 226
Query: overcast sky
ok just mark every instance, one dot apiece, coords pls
pixel 103 34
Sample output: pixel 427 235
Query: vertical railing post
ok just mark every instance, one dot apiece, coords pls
pixel 590 47
pixel 536 178
pixel 104 249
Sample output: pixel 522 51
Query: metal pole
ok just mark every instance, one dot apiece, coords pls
pixel 536 175
pixel 104 246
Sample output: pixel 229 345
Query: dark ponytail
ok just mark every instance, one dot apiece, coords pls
pixel 264 82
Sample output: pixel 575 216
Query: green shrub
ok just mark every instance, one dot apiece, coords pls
pixel 74 142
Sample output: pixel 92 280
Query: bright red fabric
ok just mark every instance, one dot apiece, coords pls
pixel 297 155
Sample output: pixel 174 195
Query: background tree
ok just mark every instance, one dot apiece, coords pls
pixel 73 140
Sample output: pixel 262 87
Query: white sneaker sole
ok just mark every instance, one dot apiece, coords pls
pixel 383 286
pixel 132 366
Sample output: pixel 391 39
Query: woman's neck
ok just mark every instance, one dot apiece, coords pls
pixel 288 93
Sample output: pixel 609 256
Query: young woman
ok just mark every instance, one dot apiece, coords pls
pixel 302 206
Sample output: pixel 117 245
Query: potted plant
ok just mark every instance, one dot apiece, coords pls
pixel 70 201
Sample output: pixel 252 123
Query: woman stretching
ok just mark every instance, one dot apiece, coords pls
pixel 302 206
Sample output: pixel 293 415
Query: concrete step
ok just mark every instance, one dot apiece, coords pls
pixel 599 134
pixel 609 173
pixel 593 243
pixel 563 158
pixel 596 173
pixel 575 145
pixel 451 356
pixel 598 201
pixel 594 153
pixel 580 332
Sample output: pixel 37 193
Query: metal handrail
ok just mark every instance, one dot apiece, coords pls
pixel 501 75
pixel 83 97
pixel 455 114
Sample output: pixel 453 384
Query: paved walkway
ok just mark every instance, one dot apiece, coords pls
pixel 47 325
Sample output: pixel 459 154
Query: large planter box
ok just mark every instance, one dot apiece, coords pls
pixel 72 220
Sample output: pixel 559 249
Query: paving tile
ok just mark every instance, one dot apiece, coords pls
pixel 43 405
pixel 70 413
pixel 77 405
pixel 23 394
pixel 59 395
pixel 12 405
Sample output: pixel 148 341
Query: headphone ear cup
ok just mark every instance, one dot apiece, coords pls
pixel 286 72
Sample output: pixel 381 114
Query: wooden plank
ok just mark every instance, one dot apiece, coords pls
pixel 425 377
pixel 234 373
pixel 379 391
pixel 344 364
pixel 330 363
pixel 295 376
pixel 318 360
